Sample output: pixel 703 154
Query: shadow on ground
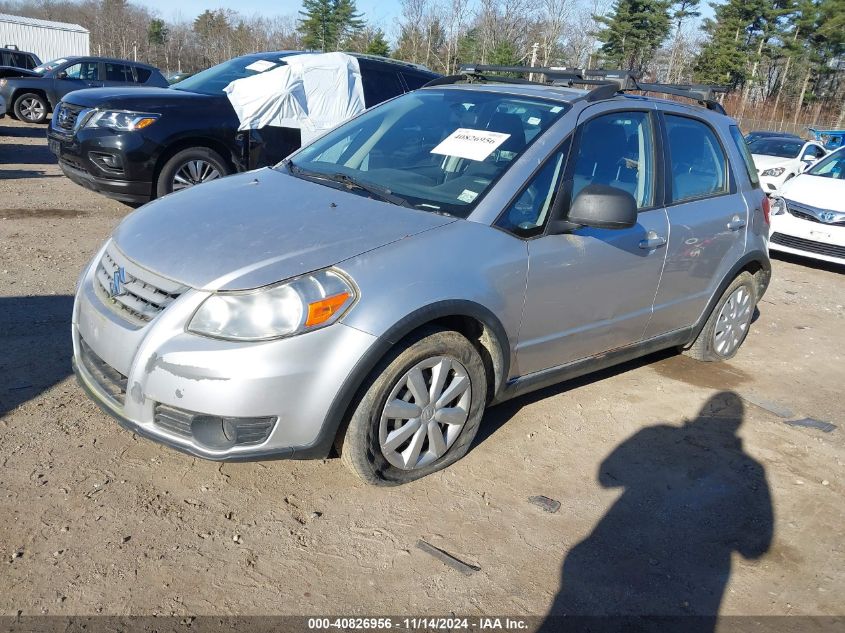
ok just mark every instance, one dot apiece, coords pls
pixel 691 497
pixel 36 346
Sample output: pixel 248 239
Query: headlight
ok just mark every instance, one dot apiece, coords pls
pixel 776 171
pixel 777 206
pixel 119 120
pixel 292 307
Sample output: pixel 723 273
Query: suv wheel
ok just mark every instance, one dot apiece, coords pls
pixel 419 411
pixel 31 108
pixel 190 167
pixel 729 322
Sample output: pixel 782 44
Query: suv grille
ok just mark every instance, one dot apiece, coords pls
pixel 799 243
pixel 111 381
pixel 134 293
pixel 806 213
pixel 65 117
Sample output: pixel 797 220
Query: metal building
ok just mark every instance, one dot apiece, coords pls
pixel 48 40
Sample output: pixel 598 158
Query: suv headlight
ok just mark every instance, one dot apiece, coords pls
pixel 777 206
pixel 774 171
pixel 292 307
pixel 120 120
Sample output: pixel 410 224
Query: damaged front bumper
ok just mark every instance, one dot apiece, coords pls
pixel 214 399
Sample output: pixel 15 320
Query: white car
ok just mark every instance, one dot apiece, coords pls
pixel 809 217
pixel 779 159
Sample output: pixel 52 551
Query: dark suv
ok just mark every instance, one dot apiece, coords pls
pixel 16 58
pixel 31 99
pixel 139 145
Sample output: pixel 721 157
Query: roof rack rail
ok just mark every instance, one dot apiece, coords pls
pixel 608 82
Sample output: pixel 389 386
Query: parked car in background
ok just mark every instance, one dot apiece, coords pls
pixel 139 145
pixel 31 99
pixel 809 217
pixel 831 139
pixel 173 78
pixel 449 249
pixel 778 159
pixel 14 71
pixel 2 107
pixel 753 136
pixel 12 57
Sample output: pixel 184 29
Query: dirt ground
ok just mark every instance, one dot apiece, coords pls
pixel 681 486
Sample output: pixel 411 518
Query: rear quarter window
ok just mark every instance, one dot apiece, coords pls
pixel 142 74
pixel 742 146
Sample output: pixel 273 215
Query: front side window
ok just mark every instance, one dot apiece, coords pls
pixel 84 70
pixel 699 166
pixel 435 150
pixel 617 150
pixel 813 151
pixel 831 167
pixel 529 212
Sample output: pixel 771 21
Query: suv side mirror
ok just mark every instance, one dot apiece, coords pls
pixel 603 207
pixel 61 75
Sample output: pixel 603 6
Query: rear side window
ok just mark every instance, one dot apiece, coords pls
pixel 118 72
pixel 142 74
pixel 699 167
pixel 742 146
pixel 414 81
pixel 380 85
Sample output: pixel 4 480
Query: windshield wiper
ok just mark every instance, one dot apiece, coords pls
pixel 382 193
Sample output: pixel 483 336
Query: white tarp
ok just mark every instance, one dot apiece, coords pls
pixel 311 92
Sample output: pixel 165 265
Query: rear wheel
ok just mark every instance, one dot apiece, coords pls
pixel 190 167
pixel 31 108
pixel 729 323
pixel 419 412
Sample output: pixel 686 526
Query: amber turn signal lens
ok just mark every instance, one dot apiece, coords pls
pixel 322 310
pixel 140 125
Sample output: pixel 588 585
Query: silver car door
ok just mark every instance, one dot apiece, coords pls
pixel 591 290
pixel 708 217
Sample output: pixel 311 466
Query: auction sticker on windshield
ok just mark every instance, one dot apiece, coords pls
pixel 470 144
pixel 260 66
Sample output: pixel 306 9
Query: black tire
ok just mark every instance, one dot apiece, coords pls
pixel 24 111
pixel 164 183
pixel 359 447
pixel 705 347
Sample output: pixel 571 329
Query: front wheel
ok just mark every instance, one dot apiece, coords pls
pixel 729 323
pixel 420 410
pixel 190 167
pixel 31 108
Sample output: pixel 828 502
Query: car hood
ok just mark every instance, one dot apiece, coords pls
pixel 142 99
pixel 763 161
pixel 816 191
pixel 260 227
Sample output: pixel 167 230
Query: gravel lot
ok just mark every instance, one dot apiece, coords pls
pixel 680 484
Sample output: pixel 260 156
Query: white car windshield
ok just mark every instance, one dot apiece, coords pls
pixel 434 150
pixel 780 147
pixel 831 167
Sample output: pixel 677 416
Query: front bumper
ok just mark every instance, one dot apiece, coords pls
pixel 820 241
pixel 294 380
pixel 772 184
pixel 78 156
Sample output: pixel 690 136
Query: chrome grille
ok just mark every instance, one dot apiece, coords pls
pixel 65 117
pixel 111 381
pixel 136 294
pixel 807 213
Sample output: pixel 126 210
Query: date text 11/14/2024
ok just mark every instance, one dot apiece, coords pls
pixel 419 623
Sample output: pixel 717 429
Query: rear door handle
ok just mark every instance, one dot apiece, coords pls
pixel 652 241
pixel 736 223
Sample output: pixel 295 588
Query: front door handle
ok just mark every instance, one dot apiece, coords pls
pixel 652 241
pixel 736 223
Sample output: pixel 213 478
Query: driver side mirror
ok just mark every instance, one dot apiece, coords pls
pixel 603 207
pixel 61 75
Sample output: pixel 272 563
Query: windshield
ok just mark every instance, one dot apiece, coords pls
pixel 781 147
pixel 43 68
pixel 831 167
pixel 435 150
pixel 212 80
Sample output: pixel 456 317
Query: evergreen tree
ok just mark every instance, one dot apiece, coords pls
pixel 378 45
pixel 723 58
pixel 633 31
pixel 328 25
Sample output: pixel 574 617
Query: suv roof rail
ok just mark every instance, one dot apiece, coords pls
pixel 608 82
